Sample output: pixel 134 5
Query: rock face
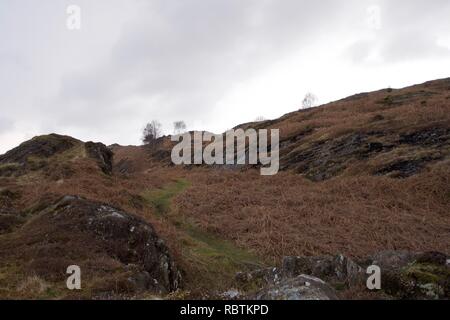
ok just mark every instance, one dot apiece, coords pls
pixel 302 287
pixel 260 277
pixel 404 275
pixel 285 284
pixel 408 275
pixel 101 154
pixel 393 260
pixel 338 269
pixel 324 160
pixel 128 239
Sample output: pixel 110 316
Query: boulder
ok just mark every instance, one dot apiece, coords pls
pixel 404 275
pixel 259 277
pixel 303 287
pixel 101 154
pixel 338 269
pixel 393 260
pixel 410 275
pixel 122 236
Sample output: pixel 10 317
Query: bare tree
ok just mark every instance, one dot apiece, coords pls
pixel 309 101
pixel 179 127
pixel 152 131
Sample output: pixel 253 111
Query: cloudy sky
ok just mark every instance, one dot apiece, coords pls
pixel 212 63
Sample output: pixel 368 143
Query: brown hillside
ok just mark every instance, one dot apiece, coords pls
pixel 367 173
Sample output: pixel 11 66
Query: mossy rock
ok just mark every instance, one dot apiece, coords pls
pixel 38 148
pixel 418 281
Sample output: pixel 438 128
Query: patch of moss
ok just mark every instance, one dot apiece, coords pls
pixel 210 260
pixel 213 261
pixel 253 285
pixel 427 273
pixel 213 248
pixel 340 286
pixel 161 199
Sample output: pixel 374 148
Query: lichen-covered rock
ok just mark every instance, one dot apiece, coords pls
pixel 130 240
pixel 409 275
pixel 393 260
pixel 303 287
pixel 404 275
pixel 338 269
pixel 101 154
pixel 260 276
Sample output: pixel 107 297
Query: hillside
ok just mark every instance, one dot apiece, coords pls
pixel 359 176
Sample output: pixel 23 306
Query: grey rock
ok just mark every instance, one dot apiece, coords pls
pixel 101 154
pixel 262 276
pixel 339 269
pixel 393 260
pixel 123 236
pixel 302 287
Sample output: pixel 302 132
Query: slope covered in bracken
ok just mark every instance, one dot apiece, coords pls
pixel 364 174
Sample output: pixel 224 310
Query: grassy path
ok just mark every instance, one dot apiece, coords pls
pixel 210 262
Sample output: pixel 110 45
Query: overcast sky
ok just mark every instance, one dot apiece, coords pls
pixel 212 63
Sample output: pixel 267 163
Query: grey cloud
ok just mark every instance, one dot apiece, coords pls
pixel 413 45
pixel 409 31
pixel 138 60
pixel 190 53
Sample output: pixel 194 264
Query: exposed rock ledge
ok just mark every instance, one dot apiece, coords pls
pixel 124 237
pixel 404 275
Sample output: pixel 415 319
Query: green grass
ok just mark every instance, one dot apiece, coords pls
pixel 202 245
pixel 426 273
pixel 76 152
pixel 216 253
pixel 161 199
pixel 213 262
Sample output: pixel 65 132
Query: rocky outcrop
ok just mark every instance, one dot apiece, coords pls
pixel 38 153
pixel 408 275
pixel 33 154
pixel 404 275
pixel 125 238
pixel 41 147
pixel 339 270
pixel 323 160
pixel 302 287
pixel 101 154
pixel 326 159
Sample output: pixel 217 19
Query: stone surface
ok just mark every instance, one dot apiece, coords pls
pixel 128 239
pixel 101 154
pixel 338 269
pixel 303 287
